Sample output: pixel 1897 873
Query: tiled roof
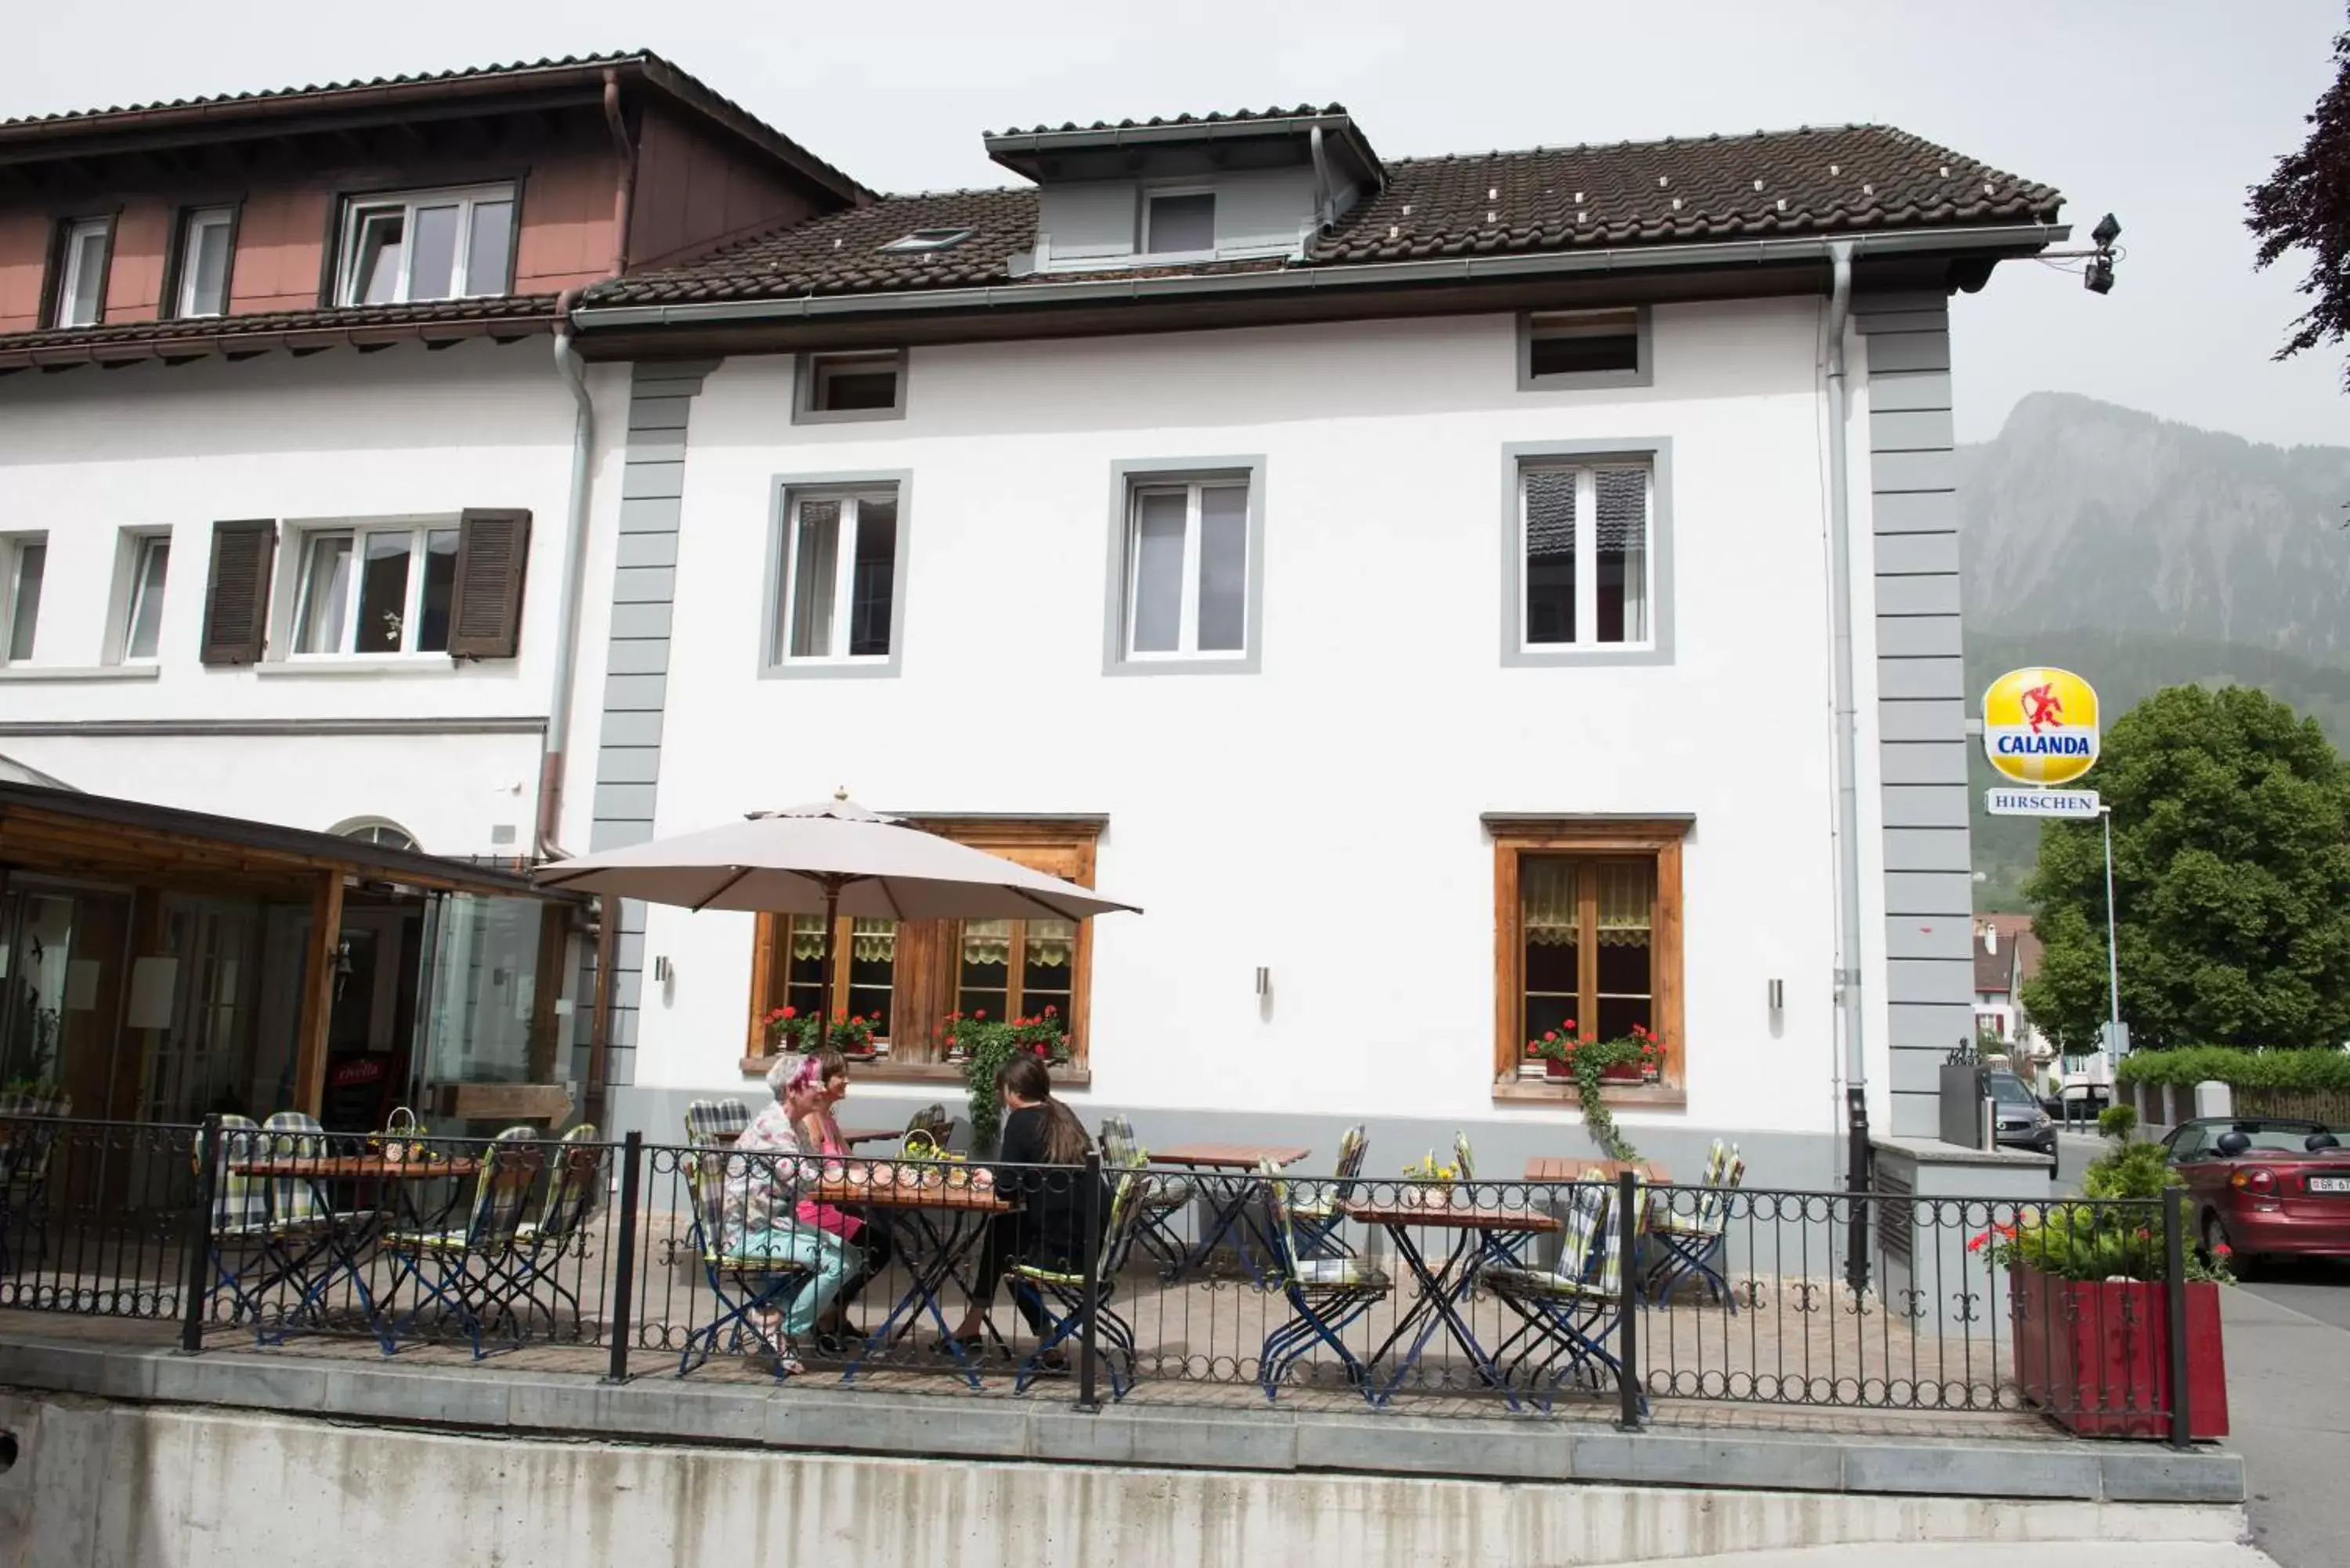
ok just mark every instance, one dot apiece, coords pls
pixel 1992 970
pixel 1303 111
pixel 518 314
pixel 221 105
pixel 1849 180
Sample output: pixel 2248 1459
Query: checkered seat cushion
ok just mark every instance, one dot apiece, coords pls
pixel 715 1121
pixel 1339 1274
pixel 1158 1190
pixel 1518 1280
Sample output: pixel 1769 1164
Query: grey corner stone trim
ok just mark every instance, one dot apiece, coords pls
pixel 1643 372
pixel 1921 687
pixel 1125 475
pixel 784 490
pixel 1657 452
pixel 637 647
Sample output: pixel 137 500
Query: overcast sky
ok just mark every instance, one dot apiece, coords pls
pixel 2162 111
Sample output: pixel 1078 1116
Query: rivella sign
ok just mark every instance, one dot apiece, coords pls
pixel 2040 726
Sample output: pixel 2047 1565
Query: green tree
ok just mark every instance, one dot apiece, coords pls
pixel 2304 205
pixel 2232 876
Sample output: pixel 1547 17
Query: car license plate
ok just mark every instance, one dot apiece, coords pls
pixel 2329 1184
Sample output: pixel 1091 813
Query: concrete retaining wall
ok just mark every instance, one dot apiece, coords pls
pixel 101 1484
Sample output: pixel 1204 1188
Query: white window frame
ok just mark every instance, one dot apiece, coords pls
pixel 1187 629
pixel 465 198
pixel 812 367
pixel 1159 192
pixel 836 656
pixel 300 537
pixel 1586 557
pixel 70 270
pixel 129 596
pixel 191 231
pixel 12 564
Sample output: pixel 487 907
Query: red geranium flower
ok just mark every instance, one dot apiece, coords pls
pixel 979 1012
pixel 1051 1011
pixel 788 1012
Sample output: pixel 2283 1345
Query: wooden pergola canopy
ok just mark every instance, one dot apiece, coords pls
pixel 65 833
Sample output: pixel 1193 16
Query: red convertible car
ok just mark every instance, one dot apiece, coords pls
pixel 2265 1187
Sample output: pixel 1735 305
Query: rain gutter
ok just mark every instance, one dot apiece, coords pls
pixel 2006 238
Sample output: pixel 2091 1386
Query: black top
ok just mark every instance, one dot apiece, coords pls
pixel 1052 1200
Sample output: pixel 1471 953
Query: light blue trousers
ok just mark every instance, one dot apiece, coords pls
pixel 831 1259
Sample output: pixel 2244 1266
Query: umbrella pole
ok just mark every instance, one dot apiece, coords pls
pixel 831 921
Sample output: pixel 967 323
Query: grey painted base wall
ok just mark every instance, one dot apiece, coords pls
pixel 1802 1161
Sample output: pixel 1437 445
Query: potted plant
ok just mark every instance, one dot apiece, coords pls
pixel 1433 1187
pixel 789 1029
pixel 1634 1058
pixel 983 1045
pixel 2092 1308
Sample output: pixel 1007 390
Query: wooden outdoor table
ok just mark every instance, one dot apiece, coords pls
pixel 1229 1215
pixel 1229 1155
pixel 1550 1168
pixel 1442 1286
pixel 353 1168
pixel 971 1199
pixel 1480 1219
pixel 852 1137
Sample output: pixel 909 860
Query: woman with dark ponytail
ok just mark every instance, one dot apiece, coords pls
pixel 1048 1229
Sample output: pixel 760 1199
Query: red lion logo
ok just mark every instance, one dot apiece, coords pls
pixel 2043 706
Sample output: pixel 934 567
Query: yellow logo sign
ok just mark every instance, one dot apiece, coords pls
pixel 2040 726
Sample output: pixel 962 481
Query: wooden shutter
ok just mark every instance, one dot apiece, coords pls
pixel 485 614
pixel 236 593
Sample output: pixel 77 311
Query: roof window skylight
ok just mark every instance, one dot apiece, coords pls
pixel 929 240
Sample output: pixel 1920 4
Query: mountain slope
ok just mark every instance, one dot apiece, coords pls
pixel 2080 514
pixel 2143 553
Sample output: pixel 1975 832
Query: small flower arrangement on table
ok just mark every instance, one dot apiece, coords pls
pixel 789 1029
pixel 1431 1185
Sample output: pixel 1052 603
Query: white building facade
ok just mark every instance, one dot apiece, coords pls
pixel 1430 674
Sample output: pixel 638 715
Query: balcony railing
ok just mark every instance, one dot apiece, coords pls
pixel 1608 1298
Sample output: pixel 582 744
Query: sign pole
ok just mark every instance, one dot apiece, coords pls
pixel 2113 949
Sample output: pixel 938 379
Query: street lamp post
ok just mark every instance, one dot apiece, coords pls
pixel 2113 950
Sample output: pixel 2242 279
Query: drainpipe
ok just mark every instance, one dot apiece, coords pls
pixel 1849 997
pixel 556 746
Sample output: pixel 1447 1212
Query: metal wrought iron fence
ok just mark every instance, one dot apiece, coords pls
pixel 1154 1283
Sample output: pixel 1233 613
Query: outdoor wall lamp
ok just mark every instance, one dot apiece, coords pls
pixel 1778 993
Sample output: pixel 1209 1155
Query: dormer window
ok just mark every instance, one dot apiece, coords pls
pixel 435 245
pixel 1179 222
pixel 929 240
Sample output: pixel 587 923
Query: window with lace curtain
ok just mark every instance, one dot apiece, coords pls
pixel 1587 933
pixel 910 975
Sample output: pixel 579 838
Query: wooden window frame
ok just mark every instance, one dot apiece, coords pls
pixel 927 973
pixel 1658 838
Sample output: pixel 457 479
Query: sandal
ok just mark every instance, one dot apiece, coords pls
pixel 972 1345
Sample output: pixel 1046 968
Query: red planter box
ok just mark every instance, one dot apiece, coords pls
pixel 1621 1073
pixel 2093 1356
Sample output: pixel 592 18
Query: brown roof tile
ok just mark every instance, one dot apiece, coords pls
pixel 1847 180
pixel 227 106
pixel 517 314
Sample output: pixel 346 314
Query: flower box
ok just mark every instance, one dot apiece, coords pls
pixel 1622 1072
pixel 1559 1070
pixel 2092 1355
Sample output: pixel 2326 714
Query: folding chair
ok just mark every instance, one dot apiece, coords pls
pixel 471 1265
pixel 1566 1316
pixel 541 1244
pixel 1324 1295
pixel 298 1218
pixel 715 1124
pixel 1314 1214
pixel 1066 1289
pixel 1159 1194
pixel 1693 1243
pixel 742 1286
pixel 239 1225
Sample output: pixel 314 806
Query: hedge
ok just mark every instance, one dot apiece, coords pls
pixel 2298 1071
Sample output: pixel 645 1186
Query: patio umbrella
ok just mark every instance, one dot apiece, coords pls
pixel 834 859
